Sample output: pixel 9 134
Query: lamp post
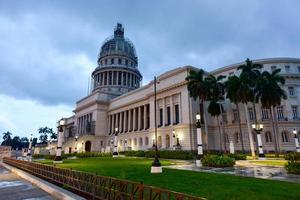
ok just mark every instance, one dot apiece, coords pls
pixel 115 153
pixel 173 140
pixel 199 141
pixel 125 145
pixel 76 139
pixel 296 141
pixel 60 127
pixel 258 129
pixel 156 166
pixel 30 146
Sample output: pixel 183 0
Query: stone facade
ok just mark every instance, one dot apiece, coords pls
pixel 117 103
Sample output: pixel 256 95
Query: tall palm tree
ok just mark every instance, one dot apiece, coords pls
pixel 216 94
pixel 214 109
pixel 199 89
pixel 233 89
pixel 7 138
pixel 270 94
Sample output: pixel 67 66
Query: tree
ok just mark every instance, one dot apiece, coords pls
pixel 24 142
pixel 233 88
pixel 250 72
pixel 216 94
pixel 16 143
pixel 45 131
pixel 6 138
pixel 34 141
pixel 198 89
pixel 270 94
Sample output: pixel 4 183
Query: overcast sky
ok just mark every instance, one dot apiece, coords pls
pixel 48 49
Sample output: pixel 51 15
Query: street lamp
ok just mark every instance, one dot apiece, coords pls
pixel 258 129
pixel 199 141
pixel 60 126
pixel 115 153
pixel 174 137
pixel 296 141
pixel 156 166
pixel 125 145
pixel 76 139
pixel 30 146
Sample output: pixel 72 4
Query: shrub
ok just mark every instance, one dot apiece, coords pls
pixel 79 155
pixel 293 167
pixel 238 156
pixel 218 161
pixel 182 155
pixel 292 156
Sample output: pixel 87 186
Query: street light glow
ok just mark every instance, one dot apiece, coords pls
pixel 198 116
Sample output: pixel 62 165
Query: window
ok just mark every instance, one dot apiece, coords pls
pixel 135 141
pixel 119 78
pixel 226 138
pixel 161 115
pixel 176 114
pixel 273 68
pixel 126 62
pixel 236 137
pixel 168 116
pixel 287 68
pixel 291 91
pixel 284 136
pixel 101 143
pixel 268 136
pixel 114 78
pixel 141 141
pixel 105 61
pixel 119 61
pixel 295 112
pixel 298 69
pixel 112 61
pixel 251 113
pixel 235 115
pixel 146 141
pixel 264 113
pixel 280 114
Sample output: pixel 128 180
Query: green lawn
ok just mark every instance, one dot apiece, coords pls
pixel 269 162
pixel 209 185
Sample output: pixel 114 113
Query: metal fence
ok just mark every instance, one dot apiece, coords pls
pixel 93 186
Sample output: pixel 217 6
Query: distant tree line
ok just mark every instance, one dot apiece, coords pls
pixel 18 142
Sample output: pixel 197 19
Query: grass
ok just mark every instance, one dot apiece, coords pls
pixel 209 185
pixel 280 163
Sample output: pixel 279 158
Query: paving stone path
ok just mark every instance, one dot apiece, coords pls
pixel 12 187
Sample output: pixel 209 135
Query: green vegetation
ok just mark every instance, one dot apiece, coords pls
pixel 293 165
pixel 281 163
pixel 238 156
pixel 218 161
pixel 181 155
pixel 78 155
pixel 209 185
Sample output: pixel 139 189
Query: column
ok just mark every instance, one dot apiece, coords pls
pixel 129 120
pixel 145 116
pixel 113 123
pixel 171 110
pixel 117 74
pixel 139 117
pixel 109 125
pixel 164 111
pixel 122 79
pixel 124 121
pixel 134 119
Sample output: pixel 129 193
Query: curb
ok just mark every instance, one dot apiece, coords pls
pixel 53 190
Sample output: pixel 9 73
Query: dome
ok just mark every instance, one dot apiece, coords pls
pixel 118 45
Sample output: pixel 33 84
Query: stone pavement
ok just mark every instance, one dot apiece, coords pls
pixel 250 170
pixel 13 187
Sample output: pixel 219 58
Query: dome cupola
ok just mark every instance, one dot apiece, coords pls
pixel 117 71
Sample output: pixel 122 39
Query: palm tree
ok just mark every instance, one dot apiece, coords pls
pixel 250 72
pixel 198 89
pixel 216 94
pixel 214 109
pixel 270 94
pixel 6 138
pixel 233 89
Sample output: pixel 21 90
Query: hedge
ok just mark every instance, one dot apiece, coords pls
pixel 292 156
pixel 218 161
pixel 293 167
pixel 182 155
pixel 79 155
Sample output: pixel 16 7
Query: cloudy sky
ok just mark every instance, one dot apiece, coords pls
pixel 48 49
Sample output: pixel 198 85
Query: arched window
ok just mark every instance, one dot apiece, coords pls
pixel 284 136
pixel 146 141
pixel 268 136
pixel 159 142
pixel 140 141
pixel 236 137
pixel 135 141
pixel 226 138
pixel 167 141
pixel 129 142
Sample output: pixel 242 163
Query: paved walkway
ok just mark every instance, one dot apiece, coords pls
pixel 13 187
pixel 250 170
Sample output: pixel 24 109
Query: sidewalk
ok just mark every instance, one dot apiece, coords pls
pixel 12 187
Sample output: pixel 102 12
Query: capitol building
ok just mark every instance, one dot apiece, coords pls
pixel 119 103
